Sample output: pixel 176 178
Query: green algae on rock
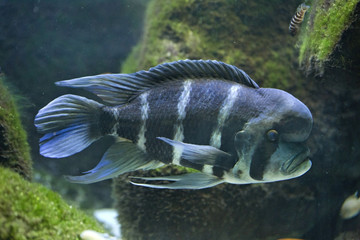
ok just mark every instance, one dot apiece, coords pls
pixel 14 149
pixel 30 211
pixel 328 20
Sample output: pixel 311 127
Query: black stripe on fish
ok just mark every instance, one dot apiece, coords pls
pixel 293 128
pixel 107 121
pixel 186 163
pixel 205 102
pixel 261 158
pixel 219 172
pixel 130 121
pixel 297 19
pixel 161 121
pixel 214 170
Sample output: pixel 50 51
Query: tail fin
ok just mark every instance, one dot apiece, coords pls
pixel 69 124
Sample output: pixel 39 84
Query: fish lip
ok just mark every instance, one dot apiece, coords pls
pixel 292 164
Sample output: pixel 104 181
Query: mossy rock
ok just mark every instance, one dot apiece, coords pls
pixel 227 211
pixel 30 211
pixel 328 21
pixel 14 149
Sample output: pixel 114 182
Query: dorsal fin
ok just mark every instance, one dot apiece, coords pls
pixel 117 89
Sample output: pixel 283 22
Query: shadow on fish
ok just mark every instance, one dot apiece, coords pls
pixel 205 115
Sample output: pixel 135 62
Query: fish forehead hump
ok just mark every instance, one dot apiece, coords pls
pixel 288 113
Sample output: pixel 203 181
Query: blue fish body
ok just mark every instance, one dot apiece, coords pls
pixel 205 115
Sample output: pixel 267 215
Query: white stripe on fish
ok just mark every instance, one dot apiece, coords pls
pixel 144 116
pixel 224 112
pixel 207 169
pixel 184 100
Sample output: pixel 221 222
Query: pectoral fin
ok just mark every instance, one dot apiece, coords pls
pixel 186 181
pixel 202 154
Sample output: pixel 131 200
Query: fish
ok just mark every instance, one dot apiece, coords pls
pixel 297 19
pixel 201 114
pixel 351 206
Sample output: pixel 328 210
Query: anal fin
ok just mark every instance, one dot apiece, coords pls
pixel 185 181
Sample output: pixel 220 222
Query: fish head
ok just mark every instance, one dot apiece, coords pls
pixel 271 146
pixel 302 7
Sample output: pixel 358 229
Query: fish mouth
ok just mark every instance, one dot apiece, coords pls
pixel 299 161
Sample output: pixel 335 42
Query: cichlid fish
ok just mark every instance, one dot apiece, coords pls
pixel 297 19
pixel 205 115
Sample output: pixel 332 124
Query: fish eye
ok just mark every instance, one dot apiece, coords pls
pixel 272 135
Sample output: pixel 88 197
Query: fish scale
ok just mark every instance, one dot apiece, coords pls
pixel 201 114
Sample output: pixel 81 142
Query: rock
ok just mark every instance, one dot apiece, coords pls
pixel 223 212
pixel 14 149
pixel 31 211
